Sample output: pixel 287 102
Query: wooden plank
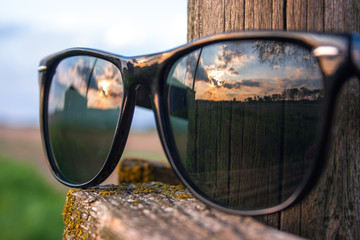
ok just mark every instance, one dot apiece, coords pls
pixel 315 15
pixel 234 19
pixel 223 151
pixel 296 9
pixel 237 135
pixel 249 15
pixel 200 23
pixel 342 16
pixel 193 20
pixel 214 21
pixel 261 20
pixel 278 18
pixel 153 211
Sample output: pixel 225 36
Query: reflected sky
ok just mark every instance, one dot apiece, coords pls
pixel 96 80
pixel 247 69
pixel 31 30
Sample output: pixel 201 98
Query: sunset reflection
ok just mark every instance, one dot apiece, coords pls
pixel 85 98
pixel 96 80
pixel 247 69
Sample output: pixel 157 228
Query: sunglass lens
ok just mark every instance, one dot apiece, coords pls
pixel 244 118
pixel 84 102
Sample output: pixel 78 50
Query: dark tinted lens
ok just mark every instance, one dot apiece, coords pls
pixel 244 116
pixel 84 104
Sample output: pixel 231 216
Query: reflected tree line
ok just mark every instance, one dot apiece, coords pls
pixel 276 52
pixel 293 94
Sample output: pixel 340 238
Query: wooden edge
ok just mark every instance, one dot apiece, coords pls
pixel 137 170
pixel 153 211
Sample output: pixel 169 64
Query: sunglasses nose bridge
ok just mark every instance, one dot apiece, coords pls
pixel 141 76
pixel 143 97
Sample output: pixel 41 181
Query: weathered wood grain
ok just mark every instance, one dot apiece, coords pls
pixel 153 211
pixel 332 210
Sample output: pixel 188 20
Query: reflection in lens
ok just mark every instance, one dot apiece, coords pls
pixel 83 109
pixel 244 116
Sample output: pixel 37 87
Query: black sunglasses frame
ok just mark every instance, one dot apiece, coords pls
pixel 144 79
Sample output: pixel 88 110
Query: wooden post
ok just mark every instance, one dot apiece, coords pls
pixel 332 210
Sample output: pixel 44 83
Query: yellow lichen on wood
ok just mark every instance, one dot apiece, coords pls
pixel 135 170
pixel 139 173
pixel 72 218
pixel 173 191
pixel 109 190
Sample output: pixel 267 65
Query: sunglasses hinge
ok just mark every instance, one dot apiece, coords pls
pixel 326 51
pixel 42 68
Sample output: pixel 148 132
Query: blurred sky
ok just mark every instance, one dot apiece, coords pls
pixel 30 30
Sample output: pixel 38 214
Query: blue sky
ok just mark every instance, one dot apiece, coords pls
pixel 30 30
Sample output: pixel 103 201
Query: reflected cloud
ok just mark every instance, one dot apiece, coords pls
pixel 97 81
pixel 247 69
pixel 251 83
pixel 229 58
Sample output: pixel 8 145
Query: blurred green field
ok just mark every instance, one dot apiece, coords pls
pixel 30 207
pixel 31 200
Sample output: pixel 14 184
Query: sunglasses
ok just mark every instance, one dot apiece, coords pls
pixel 244 118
